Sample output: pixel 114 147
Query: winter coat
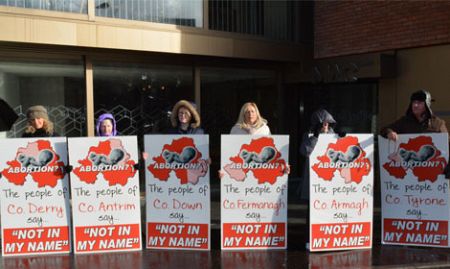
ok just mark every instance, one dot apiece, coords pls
pixel 190 130
pixel 195 120
pixel 103 117
pixel 40 133
pixel 408 124
pixel 263 130
pixel 308 144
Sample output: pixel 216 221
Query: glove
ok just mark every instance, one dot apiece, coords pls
pixel 67 169
pixel 317 130
pixel 447 171
pixel 137 165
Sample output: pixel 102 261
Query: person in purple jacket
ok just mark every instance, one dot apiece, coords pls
pixel 106 125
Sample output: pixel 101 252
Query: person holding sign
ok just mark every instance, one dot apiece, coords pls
pixel 106 125
pixel 185 119
pixel 38 124
pixel 419 118
pixel 250 121
pixel 322 122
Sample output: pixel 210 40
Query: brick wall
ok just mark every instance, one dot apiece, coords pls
pixel 354 27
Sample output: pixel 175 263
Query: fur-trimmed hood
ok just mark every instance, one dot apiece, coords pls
pixel 195 121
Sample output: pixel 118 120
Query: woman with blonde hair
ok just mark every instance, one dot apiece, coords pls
pixel 250 121
pixel 38 123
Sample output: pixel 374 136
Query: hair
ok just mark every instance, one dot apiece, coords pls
pixel 48 127
pixel 195 120
pixel 260 121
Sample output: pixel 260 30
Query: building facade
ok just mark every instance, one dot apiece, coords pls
pixel 400 46
pixel 135 59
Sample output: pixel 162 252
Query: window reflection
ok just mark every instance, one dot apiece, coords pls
pixel 74 6
pixel 185 12
pixel 57 85
pixel 140 96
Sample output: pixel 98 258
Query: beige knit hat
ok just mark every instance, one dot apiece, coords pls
pixel 35 112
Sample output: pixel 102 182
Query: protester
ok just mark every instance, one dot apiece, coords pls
pixel 106 125
pixel 250 121
pixel 38 124
pixel 185 119
pixel 322 122
pixel 419 118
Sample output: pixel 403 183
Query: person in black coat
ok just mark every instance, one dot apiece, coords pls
pixel 322 122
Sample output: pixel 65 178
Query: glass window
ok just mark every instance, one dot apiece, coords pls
pixel 74 6
pixel 140 97
pixel 178 12
pixel 57 85
pixel 225 90
pixel 272 19
pixel 353 105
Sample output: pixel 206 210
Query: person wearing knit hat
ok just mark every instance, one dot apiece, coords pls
pixel 38 124
pixel 419 118
pixel 185 119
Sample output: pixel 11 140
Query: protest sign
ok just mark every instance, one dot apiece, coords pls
pixel 414 192
pixel 177 192
pixel 341 192
pixel 34 193
pixel 254 191
pixel 105 194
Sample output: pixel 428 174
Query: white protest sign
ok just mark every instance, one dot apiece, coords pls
pixel 177 191
pixel 105 194
pixel 34 193
pixel 341 192
pixel 414 192
pixel 254 191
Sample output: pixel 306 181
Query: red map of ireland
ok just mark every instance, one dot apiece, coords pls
pixel 37 159
pixel 182 157
pixel 419 155
pixel 261 157
pixel 345 156
pixel 109 158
